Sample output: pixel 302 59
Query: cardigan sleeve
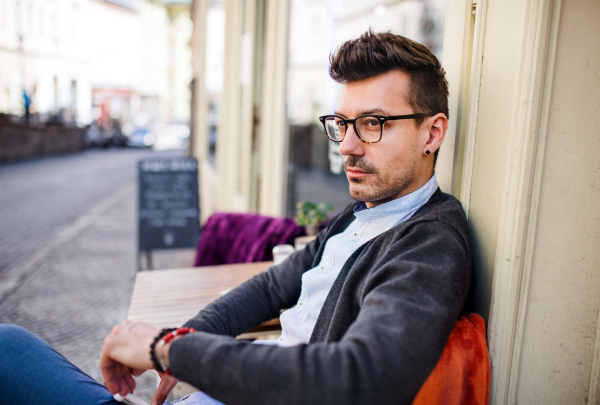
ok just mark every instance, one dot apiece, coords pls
pixel 263 296
pixel 258 299
pixel 412 296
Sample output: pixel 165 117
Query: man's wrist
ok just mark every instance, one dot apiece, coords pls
pixel 159 349
pixel 162 352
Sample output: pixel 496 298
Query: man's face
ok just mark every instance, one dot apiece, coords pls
pixel 396 165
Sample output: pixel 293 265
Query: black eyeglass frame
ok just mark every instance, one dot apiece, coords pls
pixel 382 120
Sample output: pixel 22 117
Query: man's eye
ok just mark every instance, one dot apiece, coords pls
pixel 372 123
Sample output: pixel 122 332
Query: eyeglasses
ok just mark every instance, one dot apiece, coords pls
pixel 368 128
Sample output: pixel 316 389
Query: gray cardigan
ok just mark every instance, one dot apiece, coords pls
pixel 379 335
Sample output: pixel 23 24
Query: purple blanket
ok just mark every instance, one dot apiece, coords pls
pixel 243 238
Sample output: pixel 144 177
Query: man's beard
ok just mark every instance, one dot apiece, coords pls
pixel 382 189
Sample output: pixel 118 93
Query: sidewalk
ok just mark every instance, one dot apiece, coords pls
pixel 76 285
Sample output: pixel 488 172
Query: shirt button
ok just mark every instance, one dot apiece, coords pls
pixel 322 267
pixel 356 234
pixel 281 339
pixel 301 303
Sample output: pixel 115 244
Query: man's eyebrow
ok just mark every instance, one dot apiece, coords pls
pixel 375 111
pixel 366 112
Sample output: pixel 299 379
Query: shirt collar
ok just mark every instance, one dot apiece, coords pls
pixel 404 204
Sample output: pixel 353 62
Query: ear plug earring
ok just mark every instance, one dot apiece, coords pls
pixel 427 152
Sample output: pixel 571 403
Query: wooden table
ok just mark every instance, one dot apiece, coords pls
pixel 168 298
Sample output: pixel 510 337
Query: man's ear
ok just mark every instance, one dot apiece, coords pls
pixel 436 127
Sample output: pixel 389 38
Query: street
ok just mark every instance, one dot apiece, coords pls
pixel 68 245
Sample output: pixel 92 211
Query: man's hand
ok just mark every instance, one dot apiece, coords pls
pixel 167 383
pixel 126 353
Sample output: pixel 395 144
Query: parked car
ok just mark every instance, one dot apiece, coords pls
pixel 141 138
pixel 116 135
pixel 96 136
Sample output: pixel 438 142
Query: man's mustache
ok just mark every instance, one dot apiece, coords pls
pixel 358 163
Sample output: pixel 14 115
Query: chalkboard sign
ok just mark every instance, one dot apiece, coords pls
pixel 168 206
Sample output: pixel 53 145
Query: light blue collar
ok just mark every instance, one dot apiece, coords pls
pixel 404 204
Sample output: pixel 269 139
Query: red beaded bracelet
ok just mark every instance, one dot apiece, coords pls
pixel 166 339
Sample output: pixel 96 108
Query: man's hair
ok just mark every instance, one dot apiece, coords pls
pixel 375 54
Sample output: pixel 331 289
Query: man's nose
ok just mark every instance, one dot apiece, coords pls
pixel 351 144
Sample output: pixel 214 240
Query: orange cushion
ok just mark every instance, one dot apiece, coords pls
pixel 462 375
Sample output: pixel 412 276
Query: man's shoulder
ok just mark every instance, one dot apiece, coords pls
pixel 444 208
pixel 442 216
pixel 438 231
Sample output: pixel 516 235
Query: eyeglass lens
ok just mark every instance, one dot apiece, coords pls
pixel 369 128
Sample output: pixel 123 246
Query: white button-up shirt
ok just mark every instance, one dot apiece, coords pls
pixel 298 323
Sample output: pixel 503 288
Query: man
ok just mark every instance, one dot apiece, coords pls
pixel 374 297
pixel 377 294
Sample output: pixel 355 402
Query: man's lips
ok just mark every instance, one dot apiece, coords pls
pixel 356 173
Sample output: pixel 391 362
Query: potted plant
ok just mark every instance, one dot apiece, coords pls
pixel 310 215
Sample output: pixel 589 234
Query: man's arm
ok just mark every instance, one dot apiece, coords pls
pixel 408 308
pixel 260 298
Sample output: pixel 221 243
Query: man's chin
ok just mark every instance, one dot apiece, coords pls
pixel 363 193
pixel 357 192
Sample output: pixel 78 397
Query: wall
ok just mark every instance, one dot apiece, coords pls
pixel 19 141
pixel 563 302
pixel 526 85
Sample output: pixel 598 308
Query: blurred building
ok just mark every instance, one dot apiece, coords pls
pixel 43 56
pixel 521 153
pixel 96 60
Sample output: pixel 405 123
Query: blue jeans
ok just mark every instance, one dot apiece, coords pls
pixel 32 372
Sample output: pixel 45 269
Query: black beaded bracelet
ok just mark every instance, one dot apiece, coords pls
pixel 153 357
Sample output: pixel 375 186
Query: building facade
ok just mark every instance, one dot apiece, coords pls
pixel 88 60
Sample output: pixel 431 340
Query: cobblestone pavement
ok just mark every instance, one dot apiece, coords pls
pixel 68 250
